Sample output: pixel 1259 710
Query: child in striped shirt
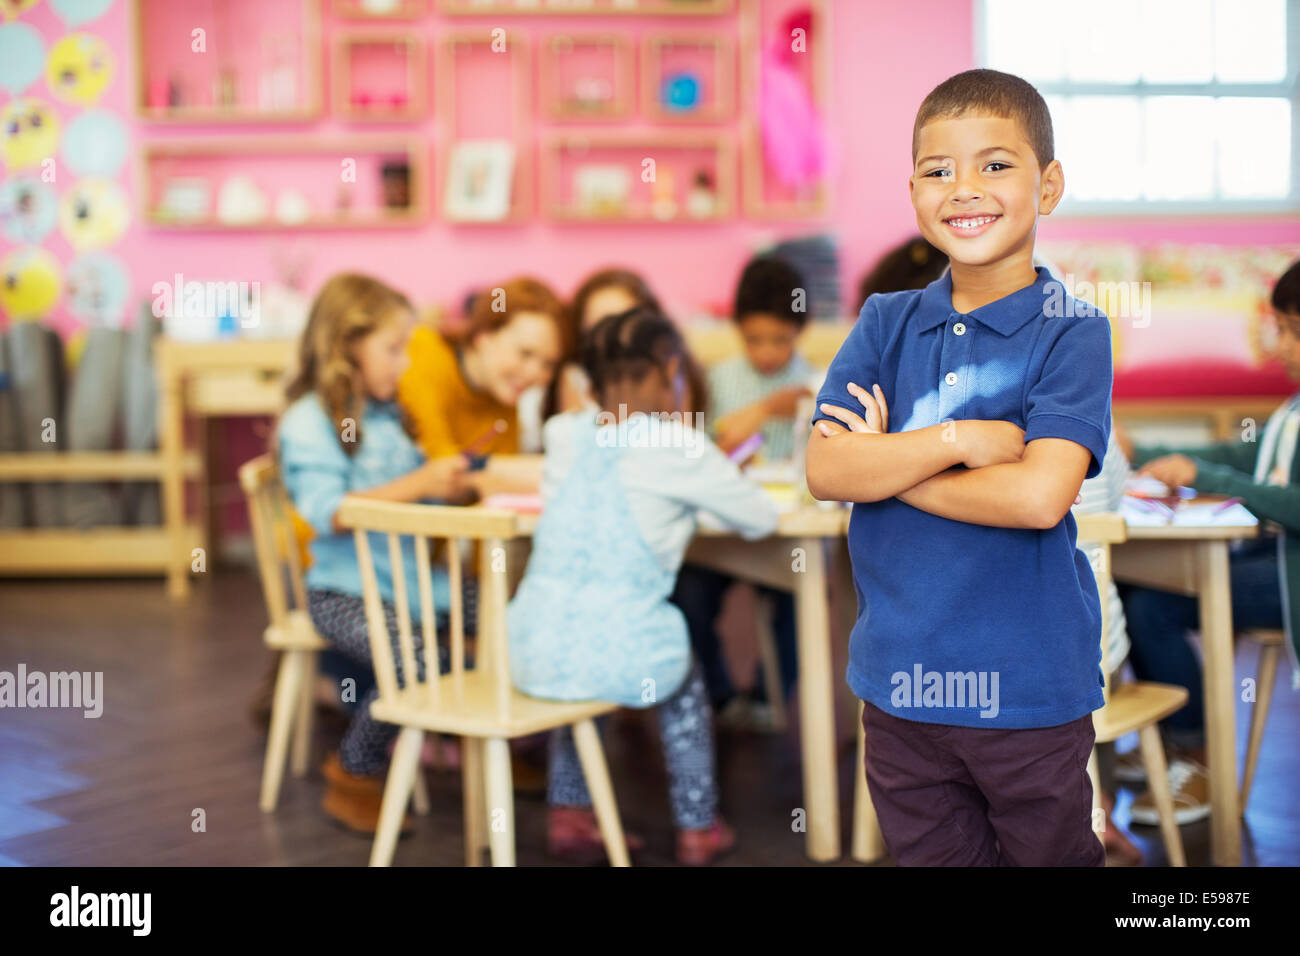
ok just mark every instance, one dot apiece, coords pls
pixel 757 392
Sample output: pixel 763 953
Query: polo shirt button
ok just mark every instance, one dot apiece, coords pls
pixel 951 378
pixel 959 328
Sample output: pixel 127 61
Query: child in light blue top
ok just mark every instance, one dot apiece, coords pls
pixel 592 620
pixel 343 434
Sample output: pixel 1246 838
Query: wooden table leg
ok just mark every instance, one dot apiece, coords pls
pixel 816 701
pixel 171 441
pixel 1220 701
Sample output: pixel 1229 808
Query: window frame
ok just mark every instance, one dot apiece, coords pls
pixel 1288 88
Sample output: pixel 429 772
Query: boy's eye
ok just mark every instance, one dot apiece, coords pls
pixel 998 163
pixel 934 173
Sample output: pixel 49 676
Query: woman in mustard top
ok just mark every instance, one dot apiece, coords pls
pixel 462 390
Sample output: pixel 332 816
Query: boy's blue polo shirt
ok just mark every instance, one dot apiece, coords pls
pixel 959 620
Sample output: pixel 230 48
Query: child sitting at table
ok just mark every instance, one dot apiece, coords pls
pixel 591 620
pixel 756 392
pixel 344 433
pixel 1263 474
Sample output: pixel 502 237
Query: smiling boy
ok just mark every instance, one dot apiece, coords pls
pixel 964 550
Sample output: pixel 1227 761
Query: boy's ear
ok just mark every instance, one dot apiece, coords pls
pixel 1052 187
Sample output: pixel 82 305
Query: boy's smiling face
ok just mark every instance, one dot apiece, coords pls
pixel 978 190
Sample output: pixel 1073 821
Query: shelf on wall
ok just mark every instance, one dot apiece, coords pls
pixel 717 92
pixel 574 95
pixel 310 180
pixel 761 198
pixel 393 62
pixel 456 165
pixel 580 8
pixel 229 61
pixel 379 9
pixel 606 170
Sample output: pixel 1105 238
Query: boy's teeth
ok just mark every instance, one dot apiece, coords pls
pixel 971 223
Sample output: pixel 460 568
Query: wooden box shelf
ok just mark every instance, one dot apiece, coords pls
pixel 360 57
pixel 578 8
pixel 720 85
pixel 664 198
pixel 559 87
pixel 339 168
pixel 227 61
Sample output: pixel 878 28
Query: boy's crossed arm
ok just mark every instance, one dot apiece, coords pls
pixel 1005 483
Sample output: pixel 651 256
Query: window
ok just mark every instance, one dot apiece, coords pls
pixel 1161 105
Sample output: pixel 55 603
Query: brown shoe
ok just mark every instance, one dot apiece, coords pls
pixel 701 847
pixel 526 777
pixel 353 800
pixel 573 834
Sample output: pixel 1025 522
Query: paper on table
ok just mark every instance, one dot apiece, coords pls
pixel 1206 514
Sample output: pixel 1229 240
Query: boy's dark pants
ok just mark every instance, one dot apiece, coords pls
pixel 965 796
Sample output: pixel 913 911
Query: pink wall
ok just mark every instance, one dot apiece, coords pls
pixel 885 58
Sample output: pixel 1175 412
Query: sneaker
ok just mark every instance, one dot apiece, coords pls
pixel 1189 783
pixel 1129 767
pixel 702 847
pixel 353 800
pixel 573 835
pixel 733 715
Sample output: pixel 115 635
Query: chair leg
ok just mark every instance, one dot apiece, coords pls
pixel 397 795
pixel 770 662
pixel 1098 811
pixel 868 842
pixel 302 732
pixel 500 804
pixel 1263 698
pixel 420 792
pixel 284 708
pixel 601 788
pixel 471 775
pixel 1153 759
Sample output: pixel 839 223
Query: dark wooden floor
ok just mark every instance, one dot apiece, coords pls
pixel 175 736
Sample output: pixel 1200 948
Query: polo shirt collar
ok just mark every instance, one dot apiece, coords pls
pixel 1005 316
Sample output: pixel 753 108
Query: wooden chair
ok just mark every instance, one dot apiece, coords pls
pixel 1137 706
pixel 290 631
pixel 1270 646
pixel 479 705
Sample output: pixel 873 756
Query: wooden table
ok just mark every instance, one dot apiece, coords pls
pixel 793 559
pixel 1194 561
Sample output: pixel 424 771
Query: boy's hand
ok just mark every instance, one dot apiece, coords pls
pixel 784 402
pixel 875 409
pixel 1173 470
pixel 985 443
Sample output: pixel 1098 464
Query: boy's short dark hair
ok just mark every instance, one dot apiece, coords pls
pixel 768 286
pixel 990 93
pixel 1286 294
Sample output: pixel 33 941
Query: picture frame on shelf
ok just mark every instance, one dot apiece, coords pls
pixel 480 174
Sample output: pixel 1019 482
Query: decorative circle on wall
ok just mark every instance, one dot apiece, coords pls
pixel 29 132
pixel 28 209
pixel 30 283
pixel 97 289
pixel 76 12
pixel 93 213
pixel 79 69
pixel 22 55
pixel 95 144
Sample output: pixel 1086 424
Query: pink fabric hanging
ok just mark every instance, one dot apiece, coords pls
pixel 795 144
